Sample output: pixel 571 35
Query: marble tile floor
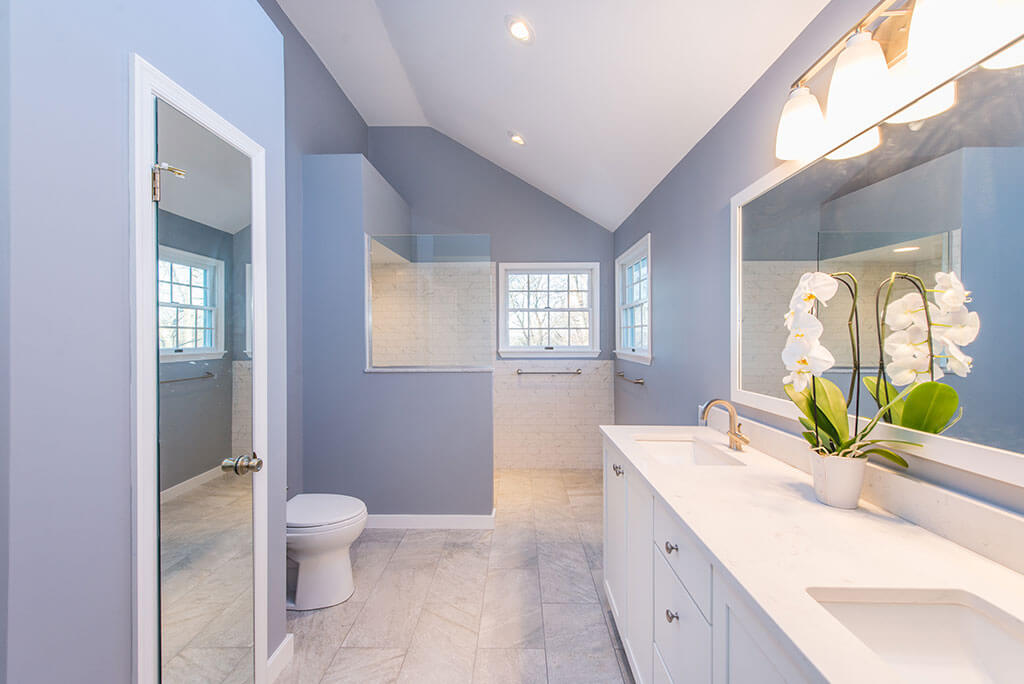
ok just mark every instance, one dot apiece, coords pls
pixel 520 604
pixel 206 584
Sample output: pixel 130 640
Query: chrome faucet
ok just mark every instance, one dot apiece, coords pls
pixel 737 439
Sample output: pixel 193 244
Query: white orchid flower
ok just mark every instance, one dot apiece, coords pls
pixel 912 369
pixel 803 328
pixel 805 359
pixel 950 293
pixel 959 327
pixel 906 311
pixel 908 343
pixel 813 287
pixel 956 361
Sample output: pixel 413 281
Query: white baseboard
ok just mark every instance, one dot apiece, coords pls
pixel 281 658
pixel 432 522
pixel 177 490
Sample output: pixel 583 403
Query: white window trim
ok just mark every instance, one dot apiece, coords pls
pixel 181 256
pixel 593 268
pixel 640 248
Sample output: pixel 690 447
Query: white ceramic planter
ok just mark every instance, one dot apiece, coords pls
pixel 838 480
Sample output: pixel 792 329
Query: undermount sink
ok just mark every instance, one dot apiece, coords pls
pixel 684 451
pixel 931 635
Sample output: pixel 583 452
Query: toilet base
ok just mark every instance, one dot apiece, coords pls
pixel 323 580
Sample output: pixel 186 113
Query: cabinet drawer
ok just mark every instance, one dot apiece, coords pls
pixel 679 548
pixel 681 634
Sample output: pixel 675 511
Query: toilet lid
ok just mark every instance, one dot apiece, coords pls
pixel 314 510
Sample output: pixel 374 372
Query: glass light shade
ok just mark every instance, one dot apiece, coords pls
pixel 908 83
pixel 948 36
pixel 862 144
pixel 801 133
pixel 1010 13
pixel 859 93
pixel 1009 58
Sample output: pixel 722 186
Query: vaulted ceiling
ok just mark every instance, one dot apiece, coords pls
pixel 609 96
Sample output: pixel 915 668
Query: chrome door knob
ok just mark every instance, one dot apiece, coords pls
pixel 242 465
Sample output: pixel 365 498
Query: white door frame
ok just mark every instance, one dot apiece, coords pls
pixel 147 84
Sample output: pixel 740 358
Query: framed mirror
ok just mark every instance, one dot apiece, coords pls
pixel 941 194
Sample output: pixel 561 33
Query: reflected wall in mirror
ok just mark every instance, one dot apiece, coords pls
pixel 204 314
pixel 431 301
pixel 941 194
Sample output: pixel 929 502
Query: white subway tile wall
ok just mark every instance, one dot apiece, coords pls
pixel 241 408
pixel 433 314
pixel 550 421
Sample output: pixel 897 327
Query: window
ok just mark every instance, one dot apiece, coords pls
pixel 190 292
pixel 550 310
pixel 633 302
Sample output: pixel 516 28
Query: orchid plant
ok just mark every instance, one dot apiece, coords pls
pixel 924 337
pixel 825 410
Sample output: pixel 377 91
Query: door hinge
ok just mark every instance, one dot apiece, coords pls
pixel 163 166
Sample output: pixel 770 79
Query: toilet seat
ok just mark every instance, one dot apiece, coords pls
pixel 305 511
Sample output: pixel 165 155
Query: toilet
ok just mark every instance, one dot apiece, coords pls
pixel 320 530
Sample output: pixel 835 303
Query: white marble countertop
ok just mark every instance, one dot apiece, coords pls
pixel 762 526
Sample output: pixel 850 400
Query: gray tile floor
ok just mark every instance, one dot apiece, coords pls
pixel 520 604
pixel 206 584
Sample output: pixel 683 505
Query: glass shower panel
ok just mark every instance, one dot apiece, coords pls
pixel 430 301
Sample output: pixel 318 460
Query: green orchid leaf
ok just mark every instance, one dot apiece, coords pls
pixel 896 411
pixel 891 455
pixel 929 407
pixel 809 436
pixel 803 401
pixel 956 419
pixel 832 403
pixel 878 416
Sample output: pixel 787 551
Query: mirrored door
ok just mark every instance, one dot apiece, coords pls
pixel 204 314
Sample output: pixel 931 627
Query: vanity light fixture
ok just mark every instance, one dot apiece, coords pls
pixel 520 29
pixel 801 127
pixel 900 250
pixel 1011 13
pixel 516 138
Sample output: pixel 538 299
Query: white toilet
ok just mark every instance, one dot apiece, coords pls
pixel 321 528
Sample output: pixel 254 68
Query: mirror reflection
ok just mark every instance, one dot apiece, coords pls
pixel 939 195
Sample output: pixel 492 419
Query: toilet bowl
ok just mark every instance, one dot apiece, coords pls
pixel 320 530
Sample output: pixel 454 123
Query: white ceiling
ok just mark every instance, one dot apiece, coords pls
pixel 217 185
pixel 609 96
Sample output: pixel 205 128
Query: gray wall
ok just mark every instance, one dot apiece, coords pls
pixel 195 417
pixel 70 391
pixel 402 442
pixel 5 327
pixel 319 119
pixel 687 215
pixel 451 189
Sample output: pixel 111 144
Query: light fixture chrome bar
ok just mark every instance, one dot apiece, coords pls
pixel 882 10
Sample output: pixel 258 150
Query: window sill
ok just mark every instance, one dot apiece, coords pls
pixel 645 359
pixel 543 354
pixel 185 356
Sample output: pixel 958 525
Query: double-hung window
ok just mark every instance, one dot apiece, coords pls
pixel 633 302
pixel 550 310
pixel 190 294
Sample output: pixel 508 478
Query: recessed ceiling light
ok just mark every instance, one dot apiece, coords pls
pixel 519 28
pixel 516 138
pixel 906 249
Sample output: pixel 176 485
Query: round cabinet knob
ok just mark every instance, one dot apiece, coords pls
pixel 670 616
pixel 670 547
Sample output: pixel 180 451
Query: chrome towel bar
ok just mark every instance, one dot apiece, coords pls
pixel 635 381
pixel 205 376
pixel 520 371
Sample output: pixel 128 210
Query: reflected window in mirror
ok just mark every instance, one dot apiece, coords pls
pixel 190 289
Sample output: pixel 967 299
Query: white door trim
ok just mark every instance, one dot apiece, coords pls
pixel 147 84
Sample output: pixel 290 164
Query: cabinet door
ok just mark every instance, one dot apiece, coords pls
pixel 615 534
pixel 639 575
pixel 682 635
pixel 744 649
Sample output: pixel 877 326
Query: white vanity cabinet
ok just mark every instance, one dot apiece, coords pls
pixel 680 621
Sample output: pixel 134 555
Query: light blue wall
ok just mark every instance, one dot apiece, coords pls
pixel 5 328
pixel 402 442
pixel 451 189
pixel 70 432
pixel 319 119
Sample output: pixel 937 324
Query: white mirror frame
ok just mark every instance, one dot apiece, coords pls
pixel 991 462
